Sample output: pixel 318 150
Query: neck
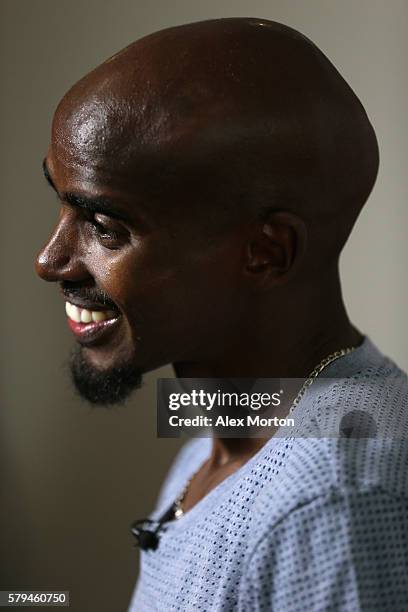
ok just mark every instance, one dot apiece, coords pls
pixel 312 326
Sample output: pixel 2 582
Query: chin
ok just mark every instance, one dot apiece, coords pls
pixel 100 381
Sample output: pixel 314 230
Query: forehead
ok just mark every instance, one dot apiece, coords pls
pixel 98 141
pixel 142 152
pixel 96 151
pixel 87 135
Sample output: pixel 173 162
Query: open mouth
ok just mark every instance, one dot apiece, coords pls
pixel 89 326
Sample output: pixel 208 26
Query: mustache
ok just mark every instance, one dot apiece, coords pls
pixel 88 294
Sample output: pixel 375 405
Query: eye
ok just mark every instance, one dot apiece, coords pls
pixel 106 230
pixel 103 232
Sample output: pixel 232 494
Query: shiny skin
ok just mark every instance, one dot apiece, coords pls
pixel 155 275
pixel 189 132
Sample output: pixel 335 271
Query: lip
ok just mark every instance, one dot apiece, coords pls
pixel 82 303
pixel 89 334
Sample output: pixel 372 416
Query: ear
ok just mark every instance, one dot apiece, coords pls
pixel 277 247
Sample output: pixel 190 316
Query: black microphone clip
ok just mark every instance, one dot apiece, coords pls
pixel 146 539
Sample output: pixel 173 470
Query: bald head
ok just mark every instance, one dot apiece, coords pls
pixel 209 175
pixel 247 110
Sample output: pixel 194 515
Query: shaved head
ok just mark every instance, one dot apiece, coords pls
pixel 252 106
pixel 209 175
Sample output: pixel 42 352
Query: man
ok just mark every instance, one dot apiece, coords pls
pixel 210 175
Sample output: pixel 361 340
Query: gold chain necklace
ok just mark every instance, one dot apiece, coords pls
pixel 317 370
pixel 178 503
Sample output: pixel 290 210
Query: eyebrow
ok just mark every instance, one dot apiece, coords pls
pixel 94 205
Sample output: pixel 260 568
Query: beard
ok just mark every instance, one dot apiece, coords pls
pixel 103 387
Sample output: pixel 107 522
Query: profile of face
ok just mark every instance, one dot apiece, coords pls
pixel 143 285
pixel 158 158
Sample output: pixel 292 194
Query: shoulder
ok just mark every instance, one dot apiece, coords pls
pixel 329 530
pixel 366 395
pixel 327 469
pixel 367 400
pixel 319 472
pixel 342 550
pixel 351 441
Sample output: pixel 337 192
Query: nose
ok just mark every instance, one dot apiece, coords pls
pixel 59 259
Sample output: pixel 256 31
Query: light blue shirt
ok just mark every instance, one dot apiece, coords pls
pixel 313 522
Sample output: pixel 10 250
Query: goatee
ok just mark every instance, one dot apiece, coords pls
pixel 103 387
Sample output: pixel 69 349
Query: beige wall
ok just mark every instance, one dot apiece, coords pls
pixel 73 478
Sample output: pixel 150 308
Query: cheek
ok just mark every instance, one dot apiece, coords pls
pixel 110 273
pixel 163 287
pixel 137 277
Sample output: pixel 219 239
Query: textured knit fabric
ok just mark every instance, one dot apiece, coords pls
pixel 313 522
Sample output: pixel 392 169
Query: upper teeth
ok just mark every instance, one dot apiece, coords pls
pixel 82 315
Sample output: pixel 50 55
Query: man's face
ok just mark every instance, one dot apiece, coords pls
pixel 142 286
